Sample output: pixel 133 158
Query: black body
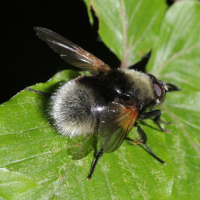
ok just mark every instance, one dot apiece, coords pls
pixel 114 85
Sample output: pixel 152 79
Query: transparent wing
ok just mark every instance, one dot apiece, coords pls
pixel 72 53
pixel 115 124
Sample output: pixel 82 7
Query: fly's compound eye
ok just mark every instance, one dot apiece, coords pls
pixel 159 90
pixel 158 87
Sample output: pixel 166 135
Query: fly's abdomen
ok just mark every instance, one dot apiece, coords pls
pixel 71 110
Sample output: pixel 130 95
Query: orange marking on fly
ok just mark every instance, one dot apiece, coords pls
pixel 129 116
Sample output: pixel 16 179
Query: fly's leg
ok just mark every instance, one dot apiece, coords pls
pixel 98 155
pixel 156 114
pixel 143 134
pixel 157 121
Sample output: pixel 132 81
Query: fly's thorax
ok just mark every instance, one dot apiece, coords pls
pixel 140 88
pixel 98 88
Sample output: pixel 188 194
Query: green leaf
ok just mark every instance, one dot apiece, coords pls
pixel 28 143
pixel 49 164
pixel 14 183
pixel 175 59
pixel 88 2
pixel 129 28
pixel 184 143
pixel 176 53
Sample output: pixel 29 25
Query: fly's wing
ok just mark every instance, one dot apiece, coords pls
pixel 72 53
pixel 115 124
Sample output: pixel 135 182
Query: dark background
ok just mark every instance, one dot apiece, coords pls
pixel 27 60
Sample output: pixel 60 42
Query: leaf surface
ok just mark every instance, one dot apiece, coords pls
pixel 48 162
pixel 175 59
